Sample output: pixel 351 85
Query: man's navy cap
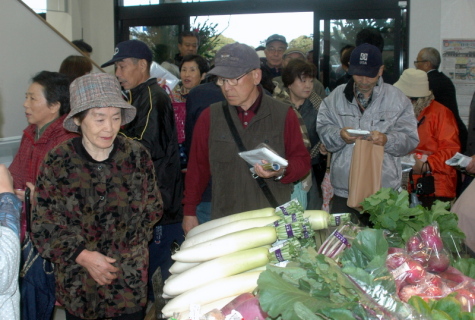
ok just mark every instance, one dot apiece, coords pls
pixel 365 60
pixel 130 49
pixel 276 37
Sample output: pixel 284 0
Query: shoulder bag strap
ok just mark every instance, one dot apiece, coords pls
pixel 237 138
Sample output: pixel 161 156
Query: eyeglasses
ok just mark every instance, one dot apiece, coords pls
pixel 417 61
pixel 273 50
pixel 232 82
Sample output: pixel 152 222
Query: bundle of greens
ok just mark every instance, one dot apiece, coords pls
pixel 390 210
pixel 315 287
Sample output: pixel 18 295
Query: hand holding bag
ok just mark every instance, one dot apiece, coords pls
pixel 365 172
pixel 425 185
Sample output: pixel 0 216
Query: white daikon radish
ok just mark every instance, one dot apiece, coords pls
pixel 170 277
pixel 179 267
pixel 218 268
pixel 166 296
pixel 227 229
pixel 204 309
pixel 212 291
pixel 233 242
pixel 318 219
pixel 264 212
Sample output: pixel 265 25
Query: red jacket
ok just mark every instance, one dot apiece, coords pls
pixel 439 138
pixel 31 153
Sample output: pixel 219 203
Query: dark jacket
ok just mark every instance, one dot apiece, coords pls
pixel 273 72
pixel 178 59
pixel 154 127
pixel 471 129
pixel 108 206
pixel 200 98
pixel 444 93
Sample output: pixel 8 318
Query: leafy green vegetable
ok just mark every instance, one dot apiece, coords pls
pixel 305 313
pixel 390 210
pixel 316 284
pixel 316 281
pixel 277 296
pixel 365 263
pixel 466 266
pixel 447 308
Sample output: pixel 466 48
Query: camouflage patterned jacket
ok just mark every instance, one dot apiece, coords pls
pixel 109 207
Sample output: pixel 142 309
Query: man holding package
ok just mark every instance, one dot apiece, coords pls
pixel 366 103
pixel 257 118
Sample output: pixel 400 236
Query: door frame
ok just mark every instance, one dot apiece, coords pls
pixel 180 13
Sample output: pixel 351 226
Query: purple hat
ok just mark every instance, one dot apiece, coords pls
pixel 234 60
pixel 130 49
pixel 96 90
pixel 365 60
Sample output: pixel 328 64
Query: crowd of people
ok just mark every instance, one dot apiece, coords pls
pixel 105 191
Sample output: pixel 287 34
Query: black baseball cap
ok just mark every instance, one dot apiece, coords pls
pixel 365 60
pixel 276 37
pixel 130 49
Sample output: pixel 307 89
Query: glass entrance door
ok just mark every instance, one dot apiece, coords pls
pixel 336 32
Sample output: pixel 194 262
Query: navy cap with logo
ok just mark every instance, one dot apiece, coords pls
pixel 276 37
pixel 130 49
pixel 234 60
pixel 365 60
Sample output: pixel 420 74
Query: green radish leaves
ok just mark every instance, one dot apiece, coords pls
pixel 447 308
pixel 316 286
pixel 390 210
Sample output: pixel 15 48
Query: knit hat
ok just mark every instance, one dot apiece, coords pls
pixel 294 50
pixel 130 49
pixel 234 60
pixel 276 37
pixel 414 83
pixel 365 60
pixel 96 90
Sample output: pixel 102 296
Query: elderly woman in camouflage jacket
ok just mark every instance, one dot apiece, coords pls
pixel 97 201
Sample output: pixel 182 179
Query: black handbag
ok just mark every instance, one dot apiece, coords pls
pixel 425 185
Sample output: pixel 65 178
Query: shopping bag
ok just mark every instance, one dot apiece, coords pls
pixel 365 172
pixel 327 188
pixel 463 207
pixel 179 108
pixel 327 191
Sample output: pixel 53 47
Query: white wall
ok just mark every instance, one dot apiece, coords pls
pixel 94 22
pixel 30 45
pixel 432 21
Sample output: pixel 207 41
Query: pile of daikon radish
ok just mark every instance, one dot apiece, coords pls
pixel 223 258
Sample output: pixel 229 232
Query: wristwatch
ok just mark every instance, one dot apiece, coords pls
pixel 281 176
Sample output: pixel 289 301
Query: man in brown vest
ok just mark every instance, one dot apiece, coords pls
pixel 258 118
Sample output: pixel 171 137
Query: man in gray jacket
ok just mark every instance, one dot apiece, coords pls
pixel 366 103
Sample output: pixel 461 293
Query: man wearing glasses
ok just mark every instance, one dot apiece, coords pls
pixel 274 51
pixel 258 118
pixel 428 60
